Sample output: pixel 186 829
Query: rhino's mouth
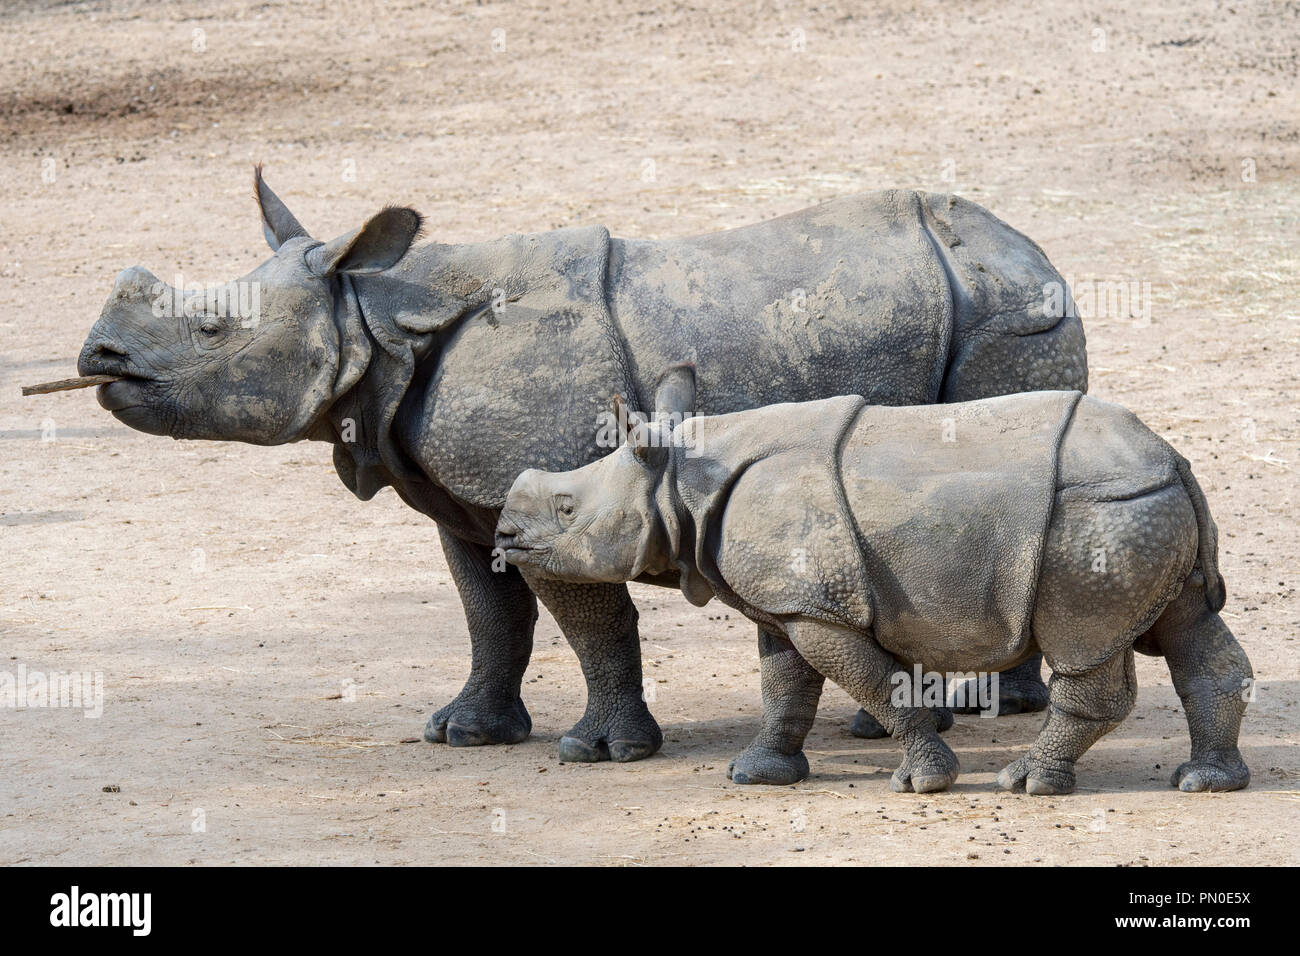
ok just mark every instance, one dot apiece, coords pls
pixel 122 394
pixel 516 552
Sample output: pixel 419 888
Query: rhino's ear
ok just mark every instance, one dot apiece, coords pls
pixel 278 223
pixel 675 395
pixel 376 246
pixel 646 438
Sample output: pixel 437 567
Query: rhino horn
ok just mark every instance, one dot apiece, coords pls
pixel 278 223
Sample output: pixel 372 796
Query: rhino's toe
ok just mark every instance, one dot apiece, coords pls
pixel 1212 772
pixel 592 741
pixel 764 765
pixel 577 750
pixel 1038 777
pixel 472 723
pixel 625 751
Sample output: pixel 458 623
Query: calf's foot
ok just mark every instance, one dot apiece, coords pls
pixel 928 766
pixel 757 764
pixel 472 721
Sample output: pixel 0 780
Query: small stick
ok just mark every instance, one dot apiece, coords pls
pixel 63 384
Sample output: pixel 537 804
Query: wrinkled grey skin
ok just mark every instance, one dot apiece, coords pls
pixel 868 498
pixel 445 370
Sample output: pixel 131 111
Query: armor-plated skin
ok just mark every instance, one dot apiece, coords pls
pixel 954 538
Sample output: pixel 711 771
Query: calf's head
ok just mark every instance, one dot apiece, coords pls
pixel 256 360
pixel 601 522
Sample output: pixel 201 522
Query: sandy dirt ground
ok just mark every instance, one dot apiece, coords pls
pixel 270 646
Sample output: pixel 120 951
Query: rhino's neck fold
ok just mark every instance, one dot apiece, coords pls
pixel 387 325
pixel 681 530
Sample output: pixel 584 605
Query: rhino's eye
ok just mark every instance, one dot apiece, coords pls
pixel 564 505
pixel 210 332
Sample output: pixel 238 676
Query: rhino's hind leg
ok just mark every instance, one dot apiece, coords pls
pixel 599 622
pixel 1083 708
pixel 862 667
pixel 1213 678
pixel 500 611
pixel 791 690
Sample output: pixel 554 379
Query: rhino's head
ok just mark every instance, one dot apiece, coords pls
pixel 601 522
pixel 256 360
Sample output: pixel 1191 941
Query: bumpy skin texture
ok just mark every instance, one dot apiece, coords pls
pixel 958 538
pixel 443 371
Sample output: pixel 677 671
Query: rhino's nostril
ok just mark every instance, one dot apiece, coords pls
pixel 101 355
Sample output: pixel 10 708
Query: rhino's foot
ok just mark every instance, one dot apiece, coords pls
pixel 1038 776
pixel 620 739
pixel 764 765
pixel 1020 691
pixel 1214 770
pixel 473 722
pixel 868 728
pixel 927 767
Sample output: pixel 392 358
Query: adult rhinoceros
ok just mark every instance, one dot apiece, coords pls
pixel 446 370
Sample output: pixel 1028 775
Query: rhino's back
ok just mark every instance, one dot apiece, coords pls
pixel 844 298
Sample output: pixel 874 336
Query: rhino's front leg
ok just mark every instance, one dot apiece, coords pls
pixel 599 622
pixel 791 690
pixel 500 611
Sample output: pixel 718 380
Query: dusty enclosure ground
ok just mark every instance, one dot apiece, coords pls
pixel 269 645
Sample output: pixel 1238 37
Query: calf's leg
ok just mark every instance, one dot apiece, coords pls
pixel 791 689
pixel 1082 709
pixel 1213 679
pixel 862 667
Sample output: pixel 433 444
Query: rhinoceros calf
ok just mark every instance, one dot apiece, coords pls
pixel 958 537
pixel 445 370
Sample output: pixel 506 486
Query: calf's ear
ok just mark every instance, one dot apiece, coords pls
pixel 278 223
pixel 646 439
pixel 375 247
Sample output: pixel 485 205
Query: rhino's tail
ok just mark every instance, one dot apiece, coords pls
pixel 1208 534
